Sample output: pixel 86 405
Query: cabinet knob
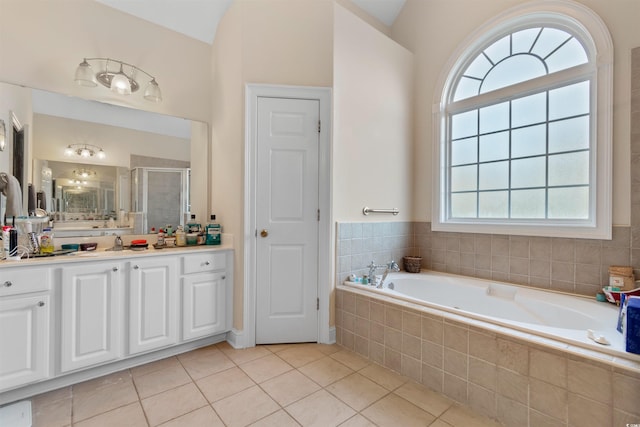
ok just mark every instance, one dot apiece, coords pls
pixel 115 268
pixel 135 267
pixel 207 263
pixel 224 277
pixel 7 284
pixel 40 303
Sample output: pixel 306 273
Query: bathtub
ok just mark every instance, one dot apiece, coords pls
pixel 541 316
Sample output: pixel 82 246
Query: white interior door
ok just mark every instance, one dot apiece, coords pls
pixel 287 206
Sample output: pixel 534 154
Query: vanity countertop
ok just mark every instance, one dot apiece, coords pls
pixel 103 252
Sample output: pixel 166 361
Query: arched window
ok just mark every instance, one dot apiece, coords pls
pixel 524 127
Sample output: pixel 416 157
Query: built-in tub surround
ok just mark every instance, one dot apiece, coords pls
pixel 508 374
pixel 577 266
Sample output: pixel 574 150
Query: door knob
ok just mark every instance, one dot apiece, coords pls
pixel 264 233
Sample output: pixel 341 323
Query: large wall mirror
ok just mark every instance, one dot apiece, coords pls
pixel 74 184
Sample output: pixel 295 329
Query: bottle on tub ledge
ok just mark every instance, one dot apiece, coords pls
pixel 214 232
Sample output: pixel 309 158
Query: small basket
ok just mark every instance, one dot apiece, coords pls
pixel 412 264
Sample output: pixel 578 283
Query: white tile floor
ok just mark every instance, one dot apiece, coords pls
pixel 274 385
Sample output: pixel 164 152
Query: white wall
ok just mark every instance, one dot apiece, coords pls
pixel 272 42
pixel 52 134
pixel 42 42
pixel 433 30
pixel 372 118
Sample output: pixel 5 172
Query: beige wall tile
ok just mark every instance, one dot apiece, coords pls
pixel 626 394
pixel 433 354
pixel 538 419
pixel 432 377
pixel 393 359
pixel 363 307
pixel 588 413
pixel 513 356
pixel 512 413
pixel 548 399
pixel 377 312
pixel 483 373
pixel 455 363
pixel 411 346
pixel 412 324
pixel 393 317
pixel 456 338
pixel 393 339
pixel 482 400
pixel 411 368
pixel 548 367
pixel 433 329
pixel 483 346
pixel 590 381
pixel 513 386
pixel 455 387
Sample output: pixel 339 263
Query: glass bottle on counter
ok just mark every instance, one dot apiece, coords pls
pixel 181 237
pixel 46 241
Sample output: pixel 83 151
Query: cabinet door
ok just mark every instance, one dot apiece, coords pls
pixel 153 302
pixel 24 340
pixel 91 315
pixel 203 305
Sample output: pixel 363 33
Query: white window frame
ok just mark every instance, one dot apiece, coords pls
pixel 592 31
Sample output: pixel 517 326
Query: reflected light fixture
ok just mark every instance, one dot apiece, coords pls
pixel 116 75
pixel 84 174
pixel 84 151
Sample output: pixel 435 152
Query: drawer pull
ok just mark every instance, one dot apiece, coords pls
pixel 115 268
pixel 41 304
pixel 135 267
pixel 7 284
pixel 224 277
pixel 207 263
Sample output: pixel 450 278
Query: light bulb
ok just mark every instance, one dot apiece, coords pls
pixel 101 154
pixel 68 151
pixel 120 83
pixel 85 152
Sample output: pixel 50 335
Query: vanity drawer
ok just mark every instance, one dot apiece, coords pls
pixel 15 281
pixel 199 263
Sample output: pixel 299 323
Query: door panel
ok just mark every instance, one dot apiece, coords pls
pixel 153 293
pixel 287 220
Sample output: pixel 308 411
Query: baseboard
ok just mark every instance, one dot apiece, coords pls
pixel 236 338
pixel 332 335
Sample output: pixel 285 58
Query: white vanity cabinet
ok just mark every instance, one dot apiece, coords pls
pixel 107 313
pixel 24 326
pixel 204 294
pixel 153 303
pixel 90 314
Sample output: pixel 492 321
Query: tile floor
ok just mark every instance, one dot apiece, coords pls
pixel 271 385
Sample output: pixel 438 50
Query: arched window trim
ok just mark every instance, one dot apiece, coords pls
pixel 591 31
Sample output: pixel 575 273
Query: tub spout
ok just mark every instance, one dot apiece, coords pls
pixel 392 266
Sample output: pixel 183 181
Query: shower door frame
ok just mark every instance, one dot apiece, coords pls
pixel 143 205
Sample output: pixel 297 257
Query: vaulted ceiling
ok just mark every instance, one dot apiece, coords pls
pixel 199 18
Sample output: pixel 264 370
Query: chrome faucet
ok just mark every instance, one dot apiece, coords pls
pixel 392 266
pixel 373 281
pixel 117 245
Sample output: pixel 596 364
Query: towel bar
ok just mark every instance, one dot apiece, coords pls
pixel 367 211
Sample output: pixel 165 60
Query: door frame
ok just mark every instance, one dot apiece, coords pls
pixel 325 233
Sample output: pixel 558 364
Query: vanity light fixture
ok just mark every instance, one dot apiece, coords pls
pixel 84 173
pixel 116 75
pixel 84 151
